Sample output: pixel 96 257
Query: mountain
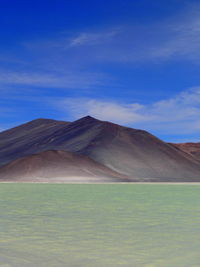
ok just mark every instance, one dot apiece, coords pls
pixel 190 148
pixel 131 153
pixel 57 166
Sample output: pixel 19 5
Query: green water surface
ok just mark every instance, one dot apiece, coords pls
pixel 46 225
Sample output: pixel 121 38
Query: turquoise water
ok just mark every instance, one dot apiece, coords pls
pixel 46 225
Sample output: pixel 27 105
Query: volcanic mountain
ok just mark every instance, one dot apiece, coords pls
pixel 128 153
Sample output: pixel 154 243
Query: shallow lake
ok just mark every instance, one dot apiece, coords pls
pixel 46 225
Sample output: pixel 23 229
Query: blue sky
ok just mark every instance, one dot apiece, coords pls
pixel 133 62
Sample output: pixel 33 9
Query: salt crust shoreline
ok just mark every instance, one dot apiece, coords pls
pixel 129 183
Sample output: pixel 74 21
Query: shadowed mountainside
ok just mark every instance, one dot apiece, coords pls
pixel 27 139
pixel 129 152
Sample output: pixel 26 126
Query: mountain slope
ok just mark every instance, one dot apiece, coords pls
pixel 190 148
pixel 57 166
pixel 135 153
pixel 26 138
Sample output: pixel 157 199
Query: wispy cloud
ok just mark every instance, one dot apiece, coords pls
pixel 169 40
pixel 66 80
pixel 177 115
pixel 182 38
pixel 172 39
pixel 93 38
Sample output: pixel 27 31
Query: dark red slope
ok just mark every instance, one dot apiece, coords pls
pixel 190 148
pixel 57 166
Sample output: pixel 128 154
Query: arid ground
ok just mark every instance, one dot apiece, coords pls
pixel 110 225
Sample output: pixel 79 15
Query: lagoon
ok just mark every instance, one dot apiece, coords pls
pixel 99 225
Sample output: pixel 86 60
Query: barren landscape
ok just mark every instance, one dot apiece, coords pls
pixel 100 133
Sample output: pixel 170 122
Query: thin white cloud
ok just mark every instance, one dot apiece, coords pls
pixel 178 115
pixel 182 39
pixel 52 80
pixel 175 38
pixel 172 39
pixel 92 38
